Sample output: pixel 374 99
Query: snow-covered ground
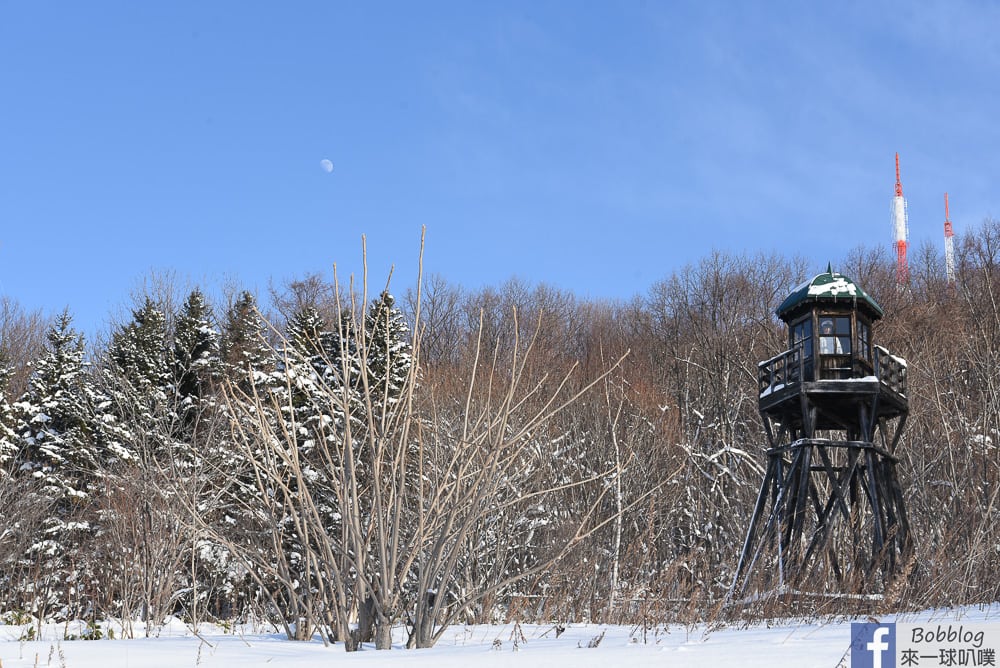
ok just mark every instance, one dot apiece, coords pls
pixel 777 645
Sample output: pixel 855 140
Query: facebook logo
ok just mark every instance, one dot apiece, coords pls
pixel 873 645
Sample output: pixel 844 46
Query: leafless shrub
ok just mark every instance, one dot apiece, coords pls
pixel 22 337
pixel 412 485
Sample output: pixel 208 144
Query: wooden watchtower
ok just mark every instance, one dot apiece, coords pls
pixel 830 516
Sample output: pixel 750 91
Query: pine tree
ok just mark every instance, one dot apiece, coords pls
pixel 196 362
pixel 312 366
pixel 137 378
pixel 304 424
pixel 138 349
pixel 202 456
pixel 247 358
pixel 59 434
pixel 389 355
pixel 8 435
pixel 57 426
pixel 253 384
pixel 311 340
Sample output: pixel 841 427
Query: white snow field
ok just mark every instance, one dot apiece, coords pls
pixel 779 645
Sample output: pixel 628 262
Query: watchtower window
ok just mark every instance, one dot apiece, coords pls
pixel 802 333
pixel 864 340
pixel 834 335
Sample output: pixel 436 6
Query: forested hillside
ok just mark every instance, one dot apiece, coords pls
pixel 343 463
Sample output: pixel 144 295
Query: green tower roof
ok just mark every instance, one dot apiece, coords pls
pixel 830 287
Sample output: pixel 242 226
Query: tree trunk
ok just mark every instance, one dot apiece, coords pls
pixel 366 621
pixel 383 634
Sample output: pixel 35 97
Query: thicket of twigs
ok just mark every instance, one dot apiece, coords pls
pixel 538 456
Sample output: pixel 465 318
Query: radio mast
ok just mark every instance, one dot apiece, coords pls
pixel 901 228
pixel 949 245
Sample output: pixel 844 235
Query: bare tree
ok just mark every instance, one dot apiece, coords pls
pixel 22 338
pixel 383 510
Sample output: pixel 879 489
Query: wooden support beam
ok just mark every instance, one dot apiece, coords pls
pixel 813 485
pixel 878 516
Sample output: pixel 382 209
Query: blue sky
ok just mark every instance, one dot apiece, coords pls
pixel 592 146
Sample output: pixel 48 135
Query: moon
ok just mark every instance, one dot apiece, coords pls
pixel 326 165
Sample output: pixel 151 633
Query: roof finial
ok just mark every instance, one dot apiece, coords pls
pixel 829 268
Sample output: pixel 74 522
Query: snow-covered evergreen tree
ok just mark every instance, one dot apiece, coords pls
pixel 59 433
pixel 312 367
pixel 56 418
pixel 196 362
pixel 246 356
pixel 137 379
pixel 252 390
pixel 8 435
pixel 202 453
pixel 196 347
pixel 290 411
pixel 389 354
pixel 139 350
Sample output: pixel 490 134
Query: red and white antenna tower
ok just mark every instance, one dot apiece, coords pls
pixel 901 226
pixel 949 244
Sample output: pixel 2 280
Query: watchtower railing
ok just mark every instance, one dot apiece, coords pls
pixel 890 370
pixel 781 370
pixel 792 367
